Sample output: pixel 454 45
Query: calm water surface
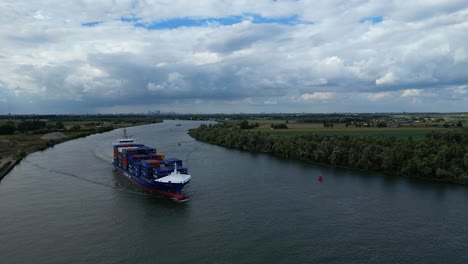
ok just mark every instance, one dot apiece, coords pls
pixel 67 205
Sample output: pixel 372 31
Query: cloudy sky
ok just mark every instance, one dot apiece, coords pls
pixel 212 56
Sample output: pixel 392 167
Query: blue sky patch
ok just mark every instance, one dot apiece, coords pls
pixel 292 20
pixel 373 20
pixel 91 24
pixel 225 21
pixel 129 19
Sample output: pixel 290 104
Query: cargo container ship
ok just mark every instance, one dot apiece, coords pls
pixel 148 169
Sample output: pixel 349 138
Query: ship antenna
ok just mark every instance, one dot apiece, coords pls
pixel 175 167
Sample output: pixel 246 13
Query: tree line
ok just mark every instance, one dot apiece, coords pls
pixel 10 127
pixel 441 156
pixel 37 126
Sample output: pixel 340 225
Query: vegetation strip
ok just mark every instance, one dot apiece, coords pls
pixel 22 136
pixel 441 156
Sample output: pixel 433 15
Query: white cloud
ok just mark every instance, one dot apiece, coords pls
pixel 161 64
pixel 154 87
pixel 418 44
pixel 202 58
pixel 333 63
pixel 318 96
pixel 175 83
pixel 461 90
pixel 411 93
pixel 378 96
pixel 38 15
pixel 389 78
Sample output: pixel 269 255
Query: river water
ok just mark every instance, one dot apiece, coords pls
pixel 67 205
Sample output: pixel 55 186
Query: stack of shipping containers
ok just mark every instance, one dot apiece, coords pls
pixel 143 161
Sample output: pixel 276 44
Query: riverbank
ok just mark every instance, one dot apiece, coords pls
pixel 22 149
pixel 442 156
pixel 6 165
pixel 17 147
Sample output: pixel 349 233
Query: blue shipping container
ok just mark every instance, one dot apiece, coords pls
pixel 170 162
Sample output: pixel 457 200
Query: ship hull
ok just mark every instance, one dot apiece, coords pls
pixel 173 190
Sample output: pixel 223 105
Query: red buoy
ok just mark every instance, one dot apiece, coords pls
pixel 320 178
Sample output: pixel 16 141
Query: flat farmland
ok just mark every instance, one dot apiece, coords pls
pixel 342 130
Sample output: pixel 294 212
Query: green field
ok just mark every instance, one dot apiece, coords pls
pixel 386 132
pixel 403 133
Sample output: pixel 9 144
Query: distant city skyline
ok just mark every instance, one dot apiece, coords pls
pixel 213 56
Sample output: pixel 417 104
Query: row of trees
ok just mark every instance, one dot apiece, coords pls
pixel 244 124
pixel 441 156
pixel 10 127
pixel 34 127
pixel 279 126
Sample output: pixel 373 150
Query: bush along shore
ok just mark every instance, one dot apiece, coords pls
pixel 441 156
